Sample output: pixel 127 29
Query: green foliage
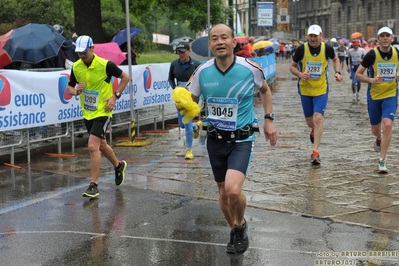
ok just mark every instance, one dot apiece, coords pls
pixel 20 12
pixel 195 13
pixel 156 57
pixel 138 8
pixel 113 18
pixel 170 17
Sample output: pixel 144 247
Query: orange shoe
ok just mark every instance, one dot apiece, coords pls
pixel 315 157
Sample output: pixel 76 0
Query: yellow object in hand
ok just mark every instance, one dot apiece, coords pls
pixel 187 107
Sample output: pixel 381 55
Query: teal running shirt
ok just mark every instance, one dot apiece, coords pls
pixel 229 95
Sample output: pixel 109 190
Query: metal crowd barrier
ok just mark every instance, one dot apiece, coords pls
pixel 30 138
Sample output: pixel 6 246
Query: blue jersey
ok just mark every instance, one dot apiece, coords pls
pixel 229 95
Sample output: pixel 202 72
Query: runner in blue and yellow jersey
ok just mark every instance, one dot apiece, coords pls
pixel 228 84
pixel 382 75
pixel 91 78
pixel 310 65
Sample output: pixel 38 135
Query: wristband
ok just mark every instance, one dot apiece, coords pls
pixel 337 72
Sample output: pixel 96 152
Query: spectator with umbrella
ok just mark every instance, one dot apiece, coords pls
pixel 33 43
pixel 251 42
pixel 121 39
pixel 244 52
pixel 135 55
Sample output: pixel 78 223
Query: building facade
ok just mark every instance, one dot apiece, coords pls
pixel 338 18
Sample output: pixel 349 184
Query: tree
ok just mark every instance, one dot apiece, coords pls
pixel 88 19
pixel 16 13
pixel 195 12
pixel 101 19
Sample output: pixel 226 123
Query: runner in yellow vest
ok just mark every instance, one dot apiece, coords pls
pixel 382 64
pixel 91 78
pixel 310 65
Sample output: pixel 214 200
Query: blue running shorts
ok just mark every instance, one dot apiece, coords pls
pixel 311 104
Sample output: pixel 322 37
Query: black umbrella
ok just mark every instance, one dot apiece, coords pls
pixel 181 39
pixel 33 43
pixel 199 49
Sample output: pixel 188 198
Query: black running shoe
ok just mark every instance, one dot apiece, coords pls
pixel 120 173
pixel 91 191
pixel 241 242
pixel 230 246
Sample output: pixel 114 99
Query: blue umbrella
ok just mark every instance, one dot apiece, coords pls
pixel 120 37
pixel 33 43
pixel 200 47
pixel 269 49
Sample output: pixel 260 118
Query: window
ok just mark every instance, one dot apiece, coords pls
pixel 369 10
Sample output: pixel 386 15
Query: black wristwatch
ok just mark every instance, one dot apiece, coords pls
pixel 337 72
pixel 269 116
pixel 118 95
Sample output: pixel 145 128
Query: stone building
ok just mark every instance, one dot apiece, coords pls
pixel 338 18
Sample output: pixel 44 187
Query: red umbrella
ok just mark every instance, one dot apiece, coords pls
pixel 110 51
pixel 242 39
pixel 4 38
pixel 5 58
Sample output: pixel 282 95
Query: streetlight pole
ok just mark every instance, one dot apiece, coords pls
pixel 296 26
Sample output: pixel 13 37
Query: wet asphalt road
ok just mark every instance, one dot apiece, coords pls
pixel 166 212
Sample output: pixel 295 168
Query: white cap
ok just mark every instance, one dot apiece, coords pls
pixel 314 29
pixel 83 43
pixel 384 29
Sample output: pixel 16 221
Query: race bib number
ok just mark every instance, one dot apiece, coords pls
pixel 387 71
pixel 90 99
pixel 314 69
pixel 222 113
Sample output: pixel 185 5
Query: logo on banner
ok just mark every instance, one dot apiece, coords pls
pixel 5 92
pixel 62 91
pixel 147 77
